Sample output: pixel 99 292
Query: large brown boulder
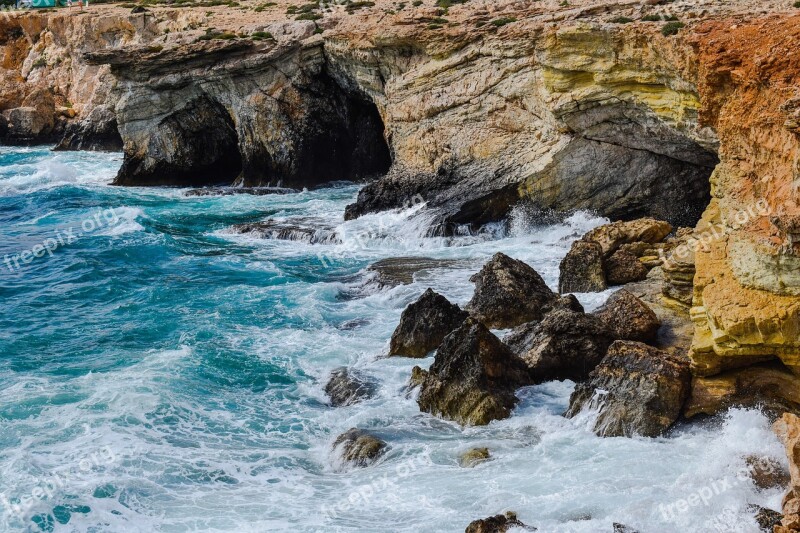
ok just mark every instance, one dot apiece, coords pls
pixel 497 524
pixel 346 387
pixel 637 390
pixel 473 378
pixel 629 318
pixel 612 236
pixel 566 344
pixel 581 270
pixel 788 430
pixel 424 324
pixel 358 447
pixel 508 293
pixel 623 267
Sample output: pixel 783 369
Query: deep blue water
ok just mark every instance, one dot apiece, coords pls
pixel 159 372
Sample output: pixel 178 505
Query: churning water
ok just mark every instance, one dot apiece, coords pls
pixel 160 372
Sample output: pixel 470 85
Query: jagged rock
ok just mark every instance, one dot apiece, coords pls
pixel 401 270
pixel 766 519
pixel 767 386
pixel 497 524
pixel 311 231
pixel 97 132
pixel 230 191
pixel 473 377
pixel 629 318
pixel 358 447
pixel 612 236
pixel 624 267
pixel 346 387
pixel 788 430
pixel 622 528
pixel 424 324
pixel 508 293
pixel 566 344
pixel 473 457
pixel 637 390
pixel 581 270
pixel 766 472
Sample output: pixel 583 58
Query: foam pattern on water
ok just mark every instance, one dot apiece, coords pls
pixel 162 373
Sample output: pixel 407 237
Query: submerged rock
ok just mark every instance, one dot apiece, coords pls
pixel 310 231
pixel 508 293
pixel 629 318
pixel 473 378
pixel 497 524
pixel 566 344
pixel 401 270
pixel 622 528
pixel 473 457
pixel 766 519
pixel 637 390
pixel 624 267
pixel 581 270
pixel 766 472
pixel 230 191
pixel 346 387
pixel 358 447
pixel 424 324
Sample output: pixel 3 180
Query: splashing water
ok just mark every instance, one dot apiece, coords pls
pixel 162 373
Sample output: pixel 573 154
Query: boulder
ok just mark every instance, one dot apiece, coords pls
pixel 766 472
pixel 629 318
pixel 770 387
pixel 346 387
pixel 611 236
pixel 788 430
pixel 360 448
pixel 566 344
pixel 473 377
pixel 766 519
pixel 637 390
pixel 497 524
pixel 424 324
pixel 508 293
pixel 623 267
pixel 473 457
pixel 581 270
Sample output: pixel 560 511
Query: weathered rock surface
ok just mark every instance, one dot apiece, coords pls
pixel 766 519
pixel 767 386
pixel 612 236
pixel 473 457
pixel 767 473
pixel 347 386
pixel 401 270
pixel 424 324
pixel 497 524
pixel 566 344
pixel 624 267
pixel 508 293
pixel 637 390
pixel 582 270
pixel 359 448
pixel 310 231
pixel 629 318
pixel 788 430
pixel 473 377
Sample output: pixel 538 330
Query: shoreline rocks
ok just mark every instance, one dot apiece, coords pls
pixel 629 318
pixel 347 387
pixel 359 448
pixel 637 390
pixel 424 324
pixel 788 430
pixel 500 523
pixel 508 293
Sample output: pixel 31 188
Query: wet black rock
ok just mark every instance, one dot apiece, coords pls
pixel 347 386
pixel 473 378
pixel 637 390
pixel 508 293
pixel 424 324
pixel 230 191
pixel 497 524
pixel 310 231
pixel 358 447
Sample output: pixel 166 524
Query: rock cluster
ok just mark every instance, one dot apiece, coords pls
pixel 612 255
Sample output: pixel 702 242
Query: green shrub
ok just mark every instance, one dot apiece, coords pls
pixel 416 3
pixel 671 28
pixel 434 26
pixel 308 16
pixel 261 35
pixel 797 4
pixel 352 6
pixel 651 18
pixel 670 18
pixel 503 21
pixel 622 20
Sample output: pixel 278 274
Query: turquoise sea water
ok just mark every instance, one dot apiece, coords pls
pixel 159 372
